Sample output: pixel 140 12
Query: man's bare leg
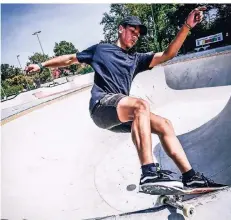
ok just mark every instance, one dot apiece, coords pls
pixel 145 123
pixel 164 129
pixel 138 111
pixel 133 109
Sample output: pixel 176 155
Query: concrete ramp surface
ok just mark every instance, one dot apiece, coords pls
pixel 208 147
pixel 56 164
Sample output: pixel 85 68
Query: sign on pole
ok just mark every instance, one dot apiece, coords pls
pixel 209 39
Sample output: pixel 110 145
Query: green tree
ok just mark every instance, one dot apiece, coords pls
pixel 14 81
pixel 143 11
pixel 217 19
pixel 116 14
pixel 111 21
pixel 164 21
pixel 8 71
pixel 84 69
pixel 177 19
pixel 45 75
pixel 38 58
pixel 154 16
pixel 222 21
pixel 64 48
pixel 19 80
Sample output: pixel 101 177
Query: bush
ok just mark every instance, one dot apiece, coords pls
pixel 85 70
pixel 12 90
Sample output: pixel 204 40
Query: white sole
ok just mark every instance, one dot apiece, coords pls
pixel 176 184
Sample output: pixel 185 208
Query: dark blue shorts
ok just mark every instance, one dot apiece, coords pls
pixel 105 116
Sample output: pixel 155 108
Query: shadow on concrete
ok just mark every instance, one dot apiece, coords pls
pixel 144 211
pixel 174 215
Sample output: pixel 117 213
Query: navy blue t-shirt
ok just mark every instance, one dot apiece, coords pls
pixel 114 67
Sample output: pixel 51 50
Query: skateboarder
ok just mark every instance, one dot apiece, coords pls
pixel 112 108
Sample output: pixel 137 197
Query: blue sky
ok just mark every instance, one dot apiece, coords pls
pixel 76 23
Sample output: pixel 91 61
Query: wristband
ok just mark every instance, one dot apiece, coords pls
pixel 187 25
pixel 41 67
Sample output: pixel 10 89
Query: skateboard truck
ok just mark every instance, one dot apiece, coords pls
pixel 173 195
pixel 176 201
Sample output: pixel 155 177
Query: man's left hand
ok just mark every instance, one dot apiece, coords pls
pixel 195 16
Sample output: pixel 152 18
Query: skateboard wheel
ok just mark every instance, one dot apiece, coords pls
pixel 189 210
pixel 163 199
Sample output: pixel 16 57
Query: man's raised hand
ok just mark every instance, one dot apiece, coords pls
pixel 195 16
pixel 32 68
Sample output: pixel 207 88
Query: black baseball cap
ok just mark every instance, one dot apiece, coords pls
pixel 133 20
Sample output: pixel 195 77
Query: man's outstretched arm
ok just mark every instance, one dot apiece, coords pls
pixel 60 61
pixel 194 18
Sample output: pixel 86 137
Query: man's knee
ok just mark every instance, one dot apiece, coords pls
pixel 166 127
pixel 129 108
pixel 141 106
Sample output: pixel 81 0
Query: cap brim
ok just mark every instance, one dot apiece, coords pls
pixel 143 28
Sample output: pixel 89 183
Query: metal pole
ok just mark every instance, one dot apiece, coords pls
pixel 28 86
pixel 154 25
pixel 19 61
pixel 40 43
pixel 36 33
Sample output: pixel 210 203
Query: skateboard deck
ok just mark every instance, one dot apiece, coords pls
pixel 173 196
pixel 171 190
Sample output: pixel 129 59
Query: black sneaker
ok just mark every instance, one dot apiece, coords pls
pixel 200 181
pixel 158 178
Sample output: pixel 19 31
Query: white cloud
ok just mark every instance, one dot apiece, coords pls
pixel 76 23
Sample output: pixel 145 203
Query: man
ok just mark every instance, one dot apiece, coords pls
pixel 112 108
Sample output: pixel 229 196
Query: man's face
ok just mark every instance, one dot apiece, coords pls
pixel 129 36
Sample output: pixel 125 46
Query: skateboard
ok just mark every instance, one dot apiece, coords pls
pixel 173 196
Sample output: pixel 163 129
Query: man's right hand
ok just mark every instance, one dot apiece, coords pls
pixel 32 68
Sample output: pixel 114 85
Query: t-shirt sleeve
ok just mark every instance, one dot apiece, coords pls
pixel 143 61
pixel 86 56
